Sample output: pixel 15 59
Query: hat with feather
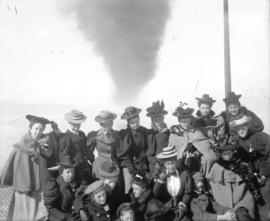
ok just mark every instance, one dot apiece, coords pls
pixel 183 112
pixel 157 109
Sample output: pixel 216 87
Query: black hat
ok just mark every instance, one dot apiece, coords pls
pixel 157 109
pixel 228 143
pixel 130 112
pixel 205 99
pixel 66 162
pixel 232 98
pixel 108 170
pixel 140 179
pixel 36 119
pixel 123 207
pixel 182 112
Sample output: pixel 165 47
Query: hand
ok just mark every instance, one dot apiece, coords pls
pixel 162 176
pixel 83 215
pixel 228 216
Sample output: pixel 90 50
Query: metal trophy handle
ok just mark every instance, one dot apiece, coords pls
pixel 173 186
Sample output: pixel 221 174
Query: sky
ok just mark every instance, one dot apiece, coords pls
pixel 58 55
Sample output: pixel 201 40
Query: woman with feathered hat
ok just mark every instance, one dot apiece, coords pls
pixel 190 142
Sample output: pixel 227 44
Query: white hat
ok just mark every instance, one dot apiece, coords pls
pixel 75 117
pixel 167 152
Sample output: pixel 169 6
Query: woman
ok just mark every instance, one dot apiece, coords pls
pixel 234 108
pixel 25 170
pixel 102 140
pixel 190 142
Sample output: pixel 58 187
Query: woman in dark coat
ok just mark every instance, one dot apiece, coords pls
pixel 73 142
pixel 158 136
pixel 26 171
pixel 130 151
pixel 255 149
pixel 97 208
pixel 60 193
pixel 234 108
pixel 173 186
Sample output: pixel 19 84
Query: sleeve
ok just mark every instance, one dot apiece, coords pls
pixel 52 200
pixel 123 153
pixel 65 146
pixel 200 213
pixel 158 189
pixel 78 203
pixel 218 208
pixel 151 151
pixel 256 123
pixel 91 145
pixel 187 187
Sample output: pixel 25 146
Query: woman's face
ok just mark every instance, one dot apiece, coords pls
pixel 137 190
pixel 107 124
pixel 170 166
pixel 100 197
pixel 205 109
pixel 134 123
pixel 227 155
pixel 127 215
pixel 74 127
pixel 233 109
pixel 242 131
pixel 36 130
pixel 185 123
pixel 199 185
pixel 68 174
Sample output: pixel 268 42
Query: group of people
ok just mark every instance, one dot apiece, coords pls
pixel 207 167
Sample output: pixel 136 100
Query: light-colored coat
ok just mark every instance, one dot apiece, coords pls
pixel 229 190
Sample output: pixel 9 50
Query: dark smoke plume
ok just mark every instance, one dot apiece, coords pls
pixel 128 34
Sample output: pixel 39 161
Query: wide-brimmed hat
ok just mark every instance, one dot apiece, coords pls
pixel 130 112
pixel 205 99
pixel 167 153
pixel 157 109
pixel 105 116
pixel 75 117
pixel 232 98
pixel 123 207
pixel 36 119
pixel 239 121
pixel 66 162
pixel 182 112
pixel 108 170
pixel 95 187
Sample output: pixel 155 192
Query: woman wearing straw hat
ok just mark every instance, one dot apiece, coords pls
pixel 184 135
pixel 212 126
pixel 173 186
pixel 102 140
pixel 26 171
pixel 158 136
pixel 130 151
pixel 234 108
pixel 255 148
pixel 73 141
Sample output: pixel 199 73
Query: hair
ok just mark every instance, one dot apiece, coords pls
pixel 204 102
pixel 136 116
pixel 35 122
pixel 128 209
pixel 61 168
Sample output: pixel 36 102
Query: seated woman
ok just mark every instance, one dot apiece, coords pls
pixel 139 195
pixel 185 135
pixel 234 108
pixel 26 171
pixel 97 208
pixel 125 213
pixel 228 187
pixel 60 193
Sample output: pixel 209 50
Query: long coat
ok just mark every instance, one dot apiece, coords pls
pixel 204 208
pixel 99 141
pixel 181 138
pixel 229 190
pixel 59 197
pixel 130 150
pixel 256 123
